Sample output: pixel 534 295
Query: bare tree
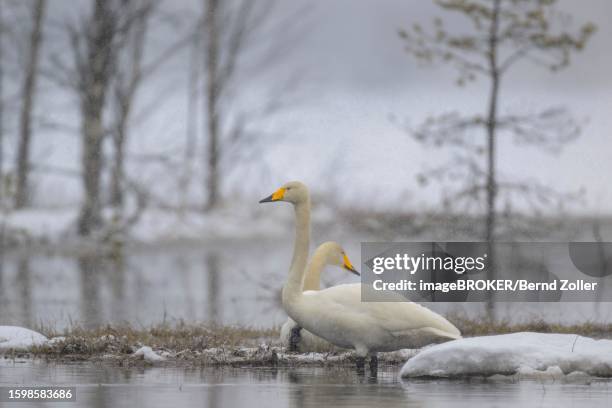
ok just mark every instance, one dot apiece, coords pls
pixel 128 78
pixel 106 69
pixel 131 72
pixel 232 30
pixel 191 119
pixel 29 89
pixel 1 101
pixel 95 42
pixel 212 91
pixel 94 59
pixel 504 32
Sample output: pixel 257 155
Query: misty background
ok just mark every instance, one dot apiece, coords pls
pixel 121 116
pixel 348 77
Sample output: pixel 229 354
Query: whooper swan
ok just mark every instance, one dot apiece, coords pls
pixel 292 335
pixel 338 315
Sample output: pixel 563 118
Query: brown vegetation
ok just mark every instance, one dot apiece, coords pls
pixel 212 345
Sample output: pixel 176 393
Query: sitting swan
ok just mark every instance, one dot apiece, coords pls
pixel 292 335
pixel 337 313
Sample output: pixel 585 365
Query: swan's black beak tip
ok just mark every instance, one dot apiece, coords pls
pixel 268 199
pixel 352 270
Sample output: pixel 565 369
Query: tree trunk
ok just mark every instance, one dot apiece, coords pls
pixel 191 121
pixel 492 125
pixel 212 114
pixel 491 186
pixel 125 100
pixel 1 108
pixel 93 134
pixel 118 164
pixel 95 84
pixel 23 151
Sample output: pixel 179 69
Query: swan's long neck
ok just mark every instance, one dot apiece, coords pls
pixel 312 280
pixel 293 286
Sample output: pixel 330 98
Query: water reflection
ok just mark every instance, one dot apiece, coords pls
pixel 89 278
pixel 111 386
pixel 213 285
pixel 117 283
pixel 231 284
pixel 24 289
pixel 142 287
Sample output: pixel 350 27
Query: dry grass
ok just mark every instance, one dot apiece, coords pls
pixel 471 327
pixel 240 346
pixel 123 340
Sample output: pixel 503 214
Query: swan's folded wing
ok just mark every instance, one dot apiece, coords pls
pixel 395 317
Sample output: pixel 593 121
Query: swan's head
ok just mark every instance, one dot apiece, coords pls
pixel 292 192
pixel 336 255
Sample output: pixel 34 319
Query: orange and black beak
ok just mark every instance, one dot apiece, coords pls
pixel 276 196
pixel 349 266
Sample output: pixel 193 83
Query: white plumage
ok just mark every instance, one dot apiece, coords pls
pixel 337 314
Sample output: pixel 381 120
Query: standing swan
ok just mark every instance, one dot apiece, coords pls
pixel 292 335
pixel 337 313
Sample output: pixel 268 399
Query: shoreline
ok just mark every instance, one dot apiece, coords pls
pixel 216 346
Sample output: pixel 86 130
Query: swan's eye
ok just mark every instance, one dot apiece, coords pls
pixel 288 188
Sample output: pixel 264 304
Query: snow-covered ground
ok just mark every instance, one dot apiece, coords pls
pixel 148 355
pixel 525 354
pixel 13 337
pixel 53 225
pixel 242 221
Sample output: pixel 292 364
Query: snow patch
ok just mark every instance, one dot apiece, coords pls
pixel 233 220
pixel 525 354
pixel 19 338
pixel 56 340
pixel 148 355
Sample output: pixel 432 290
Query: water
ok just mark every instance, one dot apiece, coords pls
pixel 104 386
pixel 232 283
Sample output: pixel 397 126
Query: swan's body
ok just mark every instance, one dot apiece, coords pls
pixel 337 313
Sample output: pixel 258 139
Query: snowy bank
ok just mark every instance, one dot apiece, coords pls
pixel 148 355
pixel 19 338
pixel 516 353
pixel 239 221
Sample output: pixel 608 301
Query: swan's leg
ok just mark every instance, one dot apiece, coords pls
pixel 294 338
pixel 374 365
pixel 360 363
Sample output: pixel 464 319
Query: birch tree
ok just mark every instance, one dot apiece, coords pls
pixel 95 67
pixel 95 41
pixel 127 80
pixel 502 33
pixel 1 101
pixel 133 69
pixel 233 33
pixel 28 96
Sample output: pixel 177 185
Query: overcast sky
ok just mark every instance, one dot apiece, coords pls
pixel 354 76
